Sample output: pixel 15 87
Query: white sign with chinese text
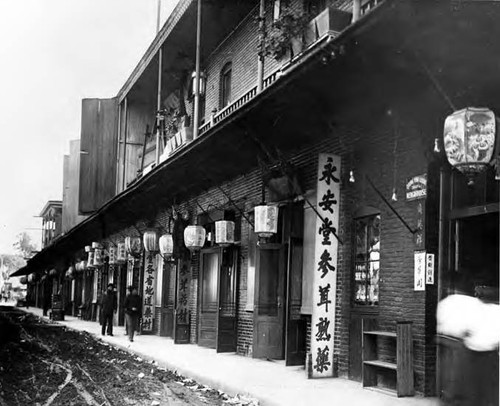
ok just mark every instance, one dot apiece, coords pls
pixel 148 298
pixel 429 269
pixel 419 270
pixel 325 262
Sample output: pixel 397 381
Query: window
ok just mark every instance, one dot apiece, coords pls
pixel 225 90
pixel 367 260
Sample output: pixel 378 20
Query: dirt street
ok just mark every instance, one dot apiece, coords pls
pixel 43 363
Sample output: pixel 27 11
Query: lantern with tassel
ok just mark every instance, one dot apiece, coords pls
pixel 266 220
pixel 166 245
pixel 150 240
pixel 224 232
pixel 194 237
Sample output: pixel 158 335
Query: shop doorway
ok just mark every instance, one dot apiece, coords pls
pixel 168 281
pixel 217 302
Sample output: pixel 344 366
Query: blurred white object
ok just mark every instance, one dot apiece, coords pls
pixel 469 319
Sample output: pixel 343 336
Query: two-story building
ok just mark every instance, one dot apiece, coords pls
pixel 315 130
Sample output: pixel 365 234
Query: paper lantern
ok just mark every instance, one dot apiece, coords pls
pixel 53 272
pixel 97 257
pixel 121 253
pixel 70 273
pixel 88 248
pixel 96 245
pixel 266 220
pixel 469 139
pixel 112 255
pixel 31 277
pixel 166 245
pixel 194 237
pixel 133 246
pixel 224 232
pixel 90 260
pixel 150 240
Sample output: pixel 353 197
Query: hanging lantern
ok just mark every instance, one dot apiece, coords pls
pixel 166 245
pixel 31 277
pixel 194 237
pixel 53 272
pixel 202 84
pixel 121 253
pixel 224 232
pixel 133 246
pixel 150 240
pixel 266 220
pixel 97 257
pixel 90 260
pixel 88 248
pixel 70 273
pixel 85 265
pixel 469 140
pixel 112 255
pixel 96 246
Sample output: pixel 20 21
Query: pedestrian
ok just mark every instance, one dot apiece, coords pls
pixel 133 306
pixel 109 307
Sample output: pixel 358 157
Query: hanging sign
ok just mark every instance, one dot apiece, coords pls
pixel 325 275
pixel 416 187
pixel 420 261
pixel 149 292
pixel 429 269
pixel 182 310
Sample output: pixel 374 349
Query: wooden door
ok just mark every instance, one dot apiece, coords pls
pixel 227 312
pixel 208 304
pixel 169 271
pixel 182 317
pixel 268 337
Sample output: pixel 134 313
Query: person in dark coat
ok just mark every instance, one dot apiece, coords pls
pixel 109 307
pixel 133 309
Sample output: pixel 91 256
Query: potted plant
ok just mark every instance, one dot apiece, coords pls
pixel 286 34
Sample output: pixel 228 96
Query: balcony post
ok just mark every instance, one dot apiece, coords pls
pixel 158 101
pixel 260 63
pixel 356 10
pixel 196 118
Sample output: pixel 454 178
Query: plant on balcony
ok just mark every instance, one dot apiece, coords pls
pixel 286 34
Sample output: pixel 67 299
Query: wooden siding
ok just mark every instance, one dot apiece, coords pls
pixel 98 157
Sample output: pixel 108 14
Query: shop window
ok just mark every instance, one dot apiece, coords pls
pixel 225 85
pixel 367 260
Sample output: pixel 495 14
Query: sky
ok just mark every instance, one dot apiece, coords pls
pixel 53 54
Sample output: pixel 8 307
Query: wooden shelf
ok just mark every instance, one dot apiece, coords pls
pixel 401 344
pixel 381 333
pixel 382 364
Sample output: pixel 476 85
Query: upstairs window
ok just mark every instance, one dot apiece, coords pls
pixel 367 260
pixel 225 88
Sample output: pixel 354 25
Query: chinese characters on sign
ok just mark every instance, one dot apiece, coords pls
pixel 429 269
pixel 148 297
pixel 182 312
pixel 325 275
pixel 419 270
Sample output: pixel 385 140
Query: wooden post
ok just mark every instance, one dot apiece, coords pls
pixel 260 63
pixel 196 117
pixel 356 10
pixel 158 105
pixel 125 129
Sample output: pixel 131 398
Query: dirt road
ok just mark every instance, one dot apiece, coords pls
pixel 44 364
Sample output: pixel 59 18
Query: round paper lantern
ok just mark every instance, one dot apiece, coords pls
pixel 121 253
pixel 266 220
pixel 112 255
pixel 166 245
pixel 150 240
pixel 194 237
pixel 224 232
pixel 133 246
pixel 469 139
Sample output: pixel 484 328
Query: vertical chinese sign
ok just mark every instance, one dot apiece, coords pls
pixel 325 272
pixel 149 291
pixel 182 312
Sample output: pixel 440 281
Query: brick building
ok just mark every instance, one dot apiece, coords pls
pixel 342 136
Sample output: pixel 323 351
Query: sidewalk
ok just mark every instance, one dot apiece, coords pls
pixel 271 383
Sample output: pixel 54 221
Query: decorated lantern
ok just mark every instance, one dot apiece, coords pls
pixel 90 260
pixel 97 257
pixel 150 240
pixel 194 237
pixel 266 220
pixel 121 253
pixel 31 278
pixel 224 232
pixel 166 245
pixel 133 246
pixel 202 86
pixel 112 255
pixel 469 139
pixel 88 248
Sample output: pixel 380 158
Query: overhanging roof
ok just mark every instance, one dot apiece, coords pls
pixel 376 60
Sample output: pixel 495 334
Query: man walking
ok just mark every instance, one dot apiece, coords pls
pixel 133 306
pixel 109 306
